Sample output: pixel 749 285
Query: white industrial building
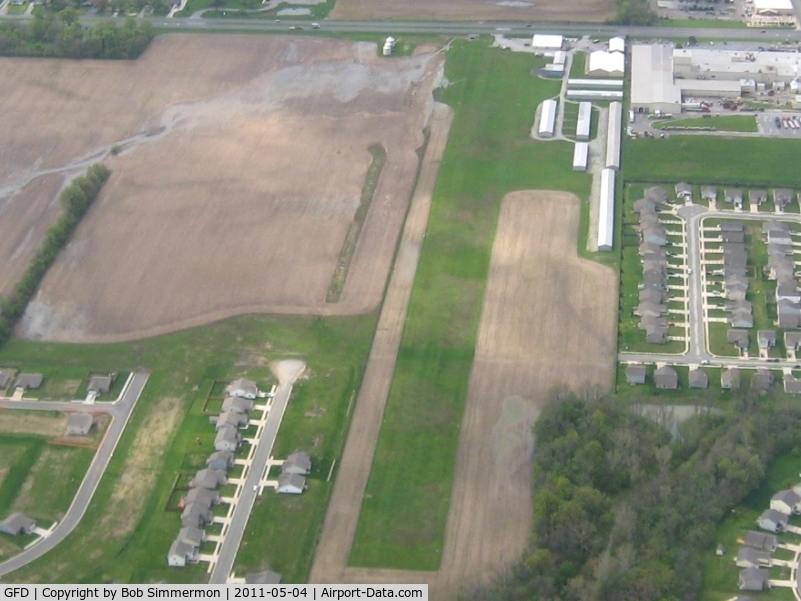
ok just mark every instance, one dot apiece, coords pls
pixel 595 84
pixel 594 94
pixel 545 42
pixel 389 46
pixel 606 214
pixel 547 124
pixel 663 77
pixel 581 155
pixel 617 44
pixel 613 135
pixel 772 12
pixel 606 64
pixel 584 121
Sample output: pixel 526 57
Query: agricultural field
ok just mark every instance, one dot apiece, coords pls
pixel 489 154
pixel 593 11
pixel 274 138
pixel 126 532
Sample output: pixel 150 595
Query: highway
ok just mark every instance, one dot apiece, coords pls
pixel 120 412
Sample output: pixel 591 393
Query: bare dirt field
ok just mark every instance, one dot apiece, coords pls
pixel 592 11
pixel 548 320
pixel 238 172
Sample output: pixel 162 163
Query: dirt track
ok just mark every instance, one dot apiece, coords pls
pixel 236 196
pixel 548 320
pixel 593 11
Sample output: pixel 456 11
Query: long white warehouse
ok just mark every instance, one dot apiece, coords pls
pixel 613 135
pixel 547 119
pixel 594 94
pixel 606 213
pixel 596 84
pixel 584 121
pixel 581 153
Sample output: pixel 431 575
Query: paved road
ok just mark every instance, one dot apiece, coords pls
pixel 699 348
pixel 247 498
pixel 120 412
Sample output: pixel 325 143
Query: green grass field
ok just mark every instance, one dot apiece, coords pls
pixel 183 366
pixel 741 123
pixel 713 160
pixel 702 23
pixel 489 153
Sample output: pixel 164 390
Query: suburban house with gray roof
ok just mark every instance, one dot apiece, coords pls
pixel 652 296
pixel 181 553
pixel 709 193
pixel 741 318
pixel 792 340
pixel 229 419
pixel 731 226
pixel 208 478
pixel 649 308
pixel 99 384
pixel 788 290
pixel 643 205
pixel 28 381
pixel 766 339
pixel 195 515
pixel 792 385
pixel 16 524
pixel 684 191
pixel 732 237
pixel 738 338
pixel 227 439
pixel 237 404
pixel 733 196
pixel 243 387
pixel 748 557
pixel 786 501
pixel 773 520
pixel 782 197
pixel 730 378
pixel 5 378
pixel 635 374
pixel 698 379
pixel 762 380
pixel 292 484
pixel 79 423
pixel 757 197
pixel 221 460
pixel 753 579
pixel 761 540
pixel 204 497
pixel 666 378
pixel 297 463
pixel 657 194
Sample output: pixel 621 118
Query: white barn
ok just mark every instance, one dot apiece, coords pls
pixel 542 41
pixel 581 153
pixel 584 121
pixel 606 211
pixel 606 64
pixel 547 125
pixel 613 135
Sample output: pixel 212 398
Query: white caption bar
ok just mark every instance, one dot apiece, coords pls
pixel 225 592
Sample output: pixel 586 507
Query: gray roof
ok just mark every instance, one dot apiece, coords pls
pixel 731 281
pixel 644 205
pixel 195 515
pixel 294 480
pixel 733 195
pixel 204 497
pixel 237 404
pixel 243 384
pixel 208 478
pixel 753 556
pixel 227 435
pixel 758 196
pixel 698 379
pixel 231 419
pixel 226 457
pixel 753 579
pixel 709 192
pixel 766 338
pixel 635 371
pixel 788 496
pixel 5 378
pixel 735 237
pixel 738 337
pixel 82 422
pixel 28 381
pixel 792 339
pixel 265 577
pixel 17 523
pixel 775 516
pixel 656 193
pixel 297 463
pixel 760 540
pixel 182 548
pixel 731 226
pixel 99 384
pixel 666 377
pixel 782 196
pixel 779 227
pixel 191 536
pixel 730 378
pixel 762 380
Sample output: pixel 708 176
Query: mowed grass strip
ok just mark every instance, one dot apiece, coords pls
pixel 489 153
pixel 714 160
pixel 740 123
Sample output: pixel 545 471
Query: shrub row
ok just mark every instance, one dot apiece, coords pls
pixel 75 200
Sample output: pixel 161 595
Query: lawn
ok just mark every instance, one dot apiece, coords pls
pixel 743 123
pixel 126 532
pixel 713 160
pixel 489 153
pixel 702 23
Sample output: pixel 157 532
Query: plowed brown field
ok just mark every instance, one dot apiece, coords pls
pixel 234 183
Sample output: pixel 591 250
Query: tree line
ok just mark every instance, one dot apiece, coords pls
pixel 60 35
pixel 622 511
pixel 75 200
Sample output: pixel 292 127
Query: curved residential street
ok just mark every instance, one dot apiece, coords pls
pixel 120 412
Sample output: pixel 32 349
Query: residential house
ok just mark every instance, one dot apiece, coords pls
pixel 227 439
pixel 761 540
pixel 757 197
pixel 16 524
pixel 221 460
pixel 698 378
pixel 237 404
pixel 229 419
pixel 738 338
pixel 792 340
pixel 28 381
pixel 666 378
pixel 656 334
pixel 741 318
pixel 788 290
pixel 647 308
pixel 297 463
pixel 684 191
pixel 786 501
pixel 79 423
pixel 792 385
pixel 748 557
pixel 243 387
pixel 789 314
pixel 782 197
pixel 652 296
pixel 731 226
pixel 733 237
pixel 208 478
pixel 99 384
pixel 653 280
pixel 766 339
pixel 709 193
pixel 654 234
pixel 181 553
pixel 643 205
pixel 204 497
pixel 5 379
pixel 635 374
pixel 196 515
pixel 733 196
pixel 762 380
pixel 657 194
pixel 730 379
pixel 292 484
pixel 773 520
pixel 753 579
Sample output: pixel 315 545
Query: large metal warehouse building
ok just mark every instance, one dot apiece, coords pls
pixel 581 154
pixel 606 212
pixel 613 135
pixel 547 124
pixel 584 121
